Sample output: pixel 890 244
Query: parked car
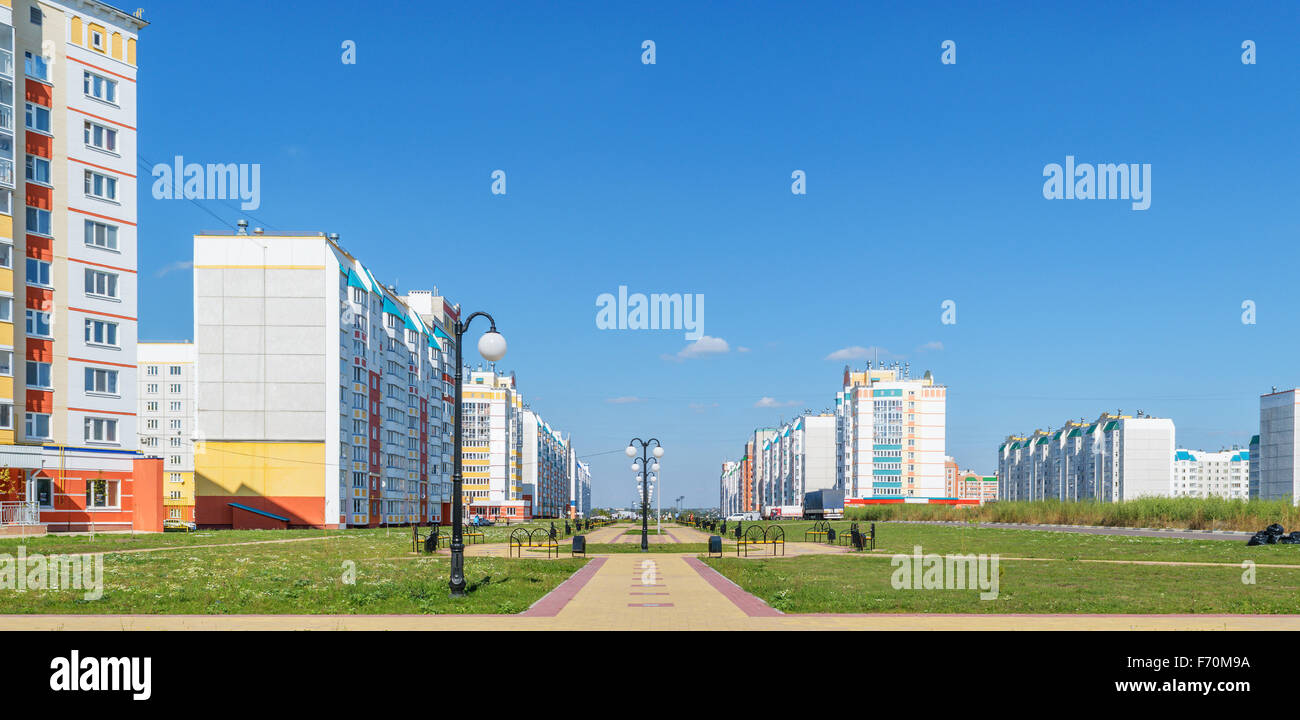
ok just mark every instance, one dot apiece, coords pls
pixel 176 524
pixel 735 517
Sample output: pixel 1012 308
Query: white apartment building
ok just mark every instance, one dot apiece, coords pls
pixel 1203 474
pixel 581 492
pixel 892 435
pixel 545 466
pixel 799 458
pixel 493 439
pixel 1115 458
pixel 1279 446
pixel 320 392
pixel 166 420
pixel 729 499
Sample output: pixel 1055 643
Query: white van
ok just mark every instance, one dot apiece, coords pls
pixel 735 517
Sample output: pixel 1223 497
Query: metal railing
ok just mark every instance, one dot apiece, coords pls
pixel 19 513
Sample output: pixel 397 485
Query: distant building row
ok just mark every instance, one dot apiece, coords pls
pixel 883 443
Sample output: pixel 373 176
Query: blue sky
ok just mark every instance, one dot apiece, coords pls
pixel 924 183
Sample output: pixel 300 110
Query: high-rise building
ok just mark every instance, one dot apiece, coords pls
pixel 1202 474
pixel 1279 446
pixel 1117 457
pixel 799 458
pixel 545 466
pixel 491 458
pixel 892 436
pixel 756 493
pixel 69 441
pixel 729 497
pixel 166 420
pixel 321 393
pixel 1254 467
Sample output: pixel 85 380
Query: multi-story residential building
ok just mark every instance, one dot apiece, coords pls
pixel 729 489
pixel 756 486
pixel 1279 446
pixel 799 458
pixel 582 488
pixel 68 440
pixel 1254 467
pixel 1212 474
pixel 1115 458
pixel 166 420
pixel 891 436
pixel 493 447
pixel 320 391
pixel 973 486
pixel 545 466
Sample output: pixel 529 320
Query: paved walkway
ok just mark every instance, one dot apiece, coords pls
pixel 652 591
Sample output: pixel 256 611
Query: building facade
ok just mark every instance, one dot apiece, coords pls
pixel 68 442
pixel 1116 457
pixel 166 420
pixel 1203 474
pixel 320 392
pixel 892 440
pixel 799 458
pixel 493 439
pixel 1279 446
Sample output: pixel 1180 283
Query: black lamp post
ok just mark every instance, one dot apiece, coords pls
pixel 646 469
pixel 492 347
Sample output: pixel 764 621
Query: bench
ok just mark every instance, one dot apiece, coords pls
pixel 773 537
pixel 539 538
pixel 819 532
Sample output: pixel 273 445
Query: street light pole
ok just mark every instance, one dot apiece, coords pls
pixel 646 469
pixel 492 347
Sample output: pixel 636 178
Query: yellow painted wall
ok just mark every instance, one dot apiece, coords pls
pixel 286 469
pixel 186 486
pixel 78 33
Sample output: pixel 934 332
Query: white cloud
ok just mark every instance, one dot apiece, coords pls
pixel 624 400
pixel 857 352
pixel 706 345
pixel 741 348
pixel 767 402
pixel 171 267
pixel 932 345
pixel 702 407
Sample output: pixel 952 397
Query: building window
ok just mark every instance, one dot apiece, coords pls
pixel 38 118
pixel 101 235
pixel 101 493
pixel 38 220
pixel 151 406
pixel 152 389
pixel 100 88
pixel 175 477
pixel 38 375
pixel 101 332
pixel 101 284
pixel 37 426
pixel 174 406
pixel 174 424
pixel 100 137
pixel 151 370
pixel 99 185
pixel 174 388
pixel 38 169
pixel 6 254
pixel 7 416
pixel 6 309
pixel 101 430
pixel 34 14
pixel 38 272
pixel 99 380
pixel 97 39
pixel 7 363
pixel 151 424
pixel 173 369
pixel 36 67
pixel 174 513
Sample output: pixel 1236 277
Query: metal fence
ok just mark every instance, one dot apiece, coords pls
pixel 19 513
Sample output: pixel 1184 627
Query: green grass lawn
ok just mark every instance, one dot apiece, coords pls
pixel 857 584
pixel 302 578
pixel 902 537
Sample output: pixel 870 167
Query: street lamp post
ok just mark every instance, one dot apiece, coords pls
pixel 646 468
pixel 492 346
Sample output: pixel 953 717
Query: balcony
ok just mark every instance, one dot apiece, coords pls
pixel 6 63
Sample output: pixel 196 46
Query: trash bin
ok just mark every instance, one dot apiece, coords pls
pixel 579 545
pixel 715 544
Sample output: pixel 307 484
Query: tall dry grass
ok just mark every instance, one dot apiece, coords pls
pixel 1189 513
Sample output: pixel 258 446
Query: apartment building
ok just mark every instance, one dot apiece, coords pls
pixel 69 456
pixel 729 498
pixel 1114 458
pixel 756 486
pixel 582 488
pixel 1254 467
pixel 892 435
pixel 492 450
pixel 973 486
pixel 1203 474
pixel 545 466
pixel 320 392
pixel 166 420
pixel 1279 446
pixel 799 458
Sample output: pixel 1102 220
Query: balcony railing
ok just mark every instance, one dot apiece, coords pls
pixel 19 513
